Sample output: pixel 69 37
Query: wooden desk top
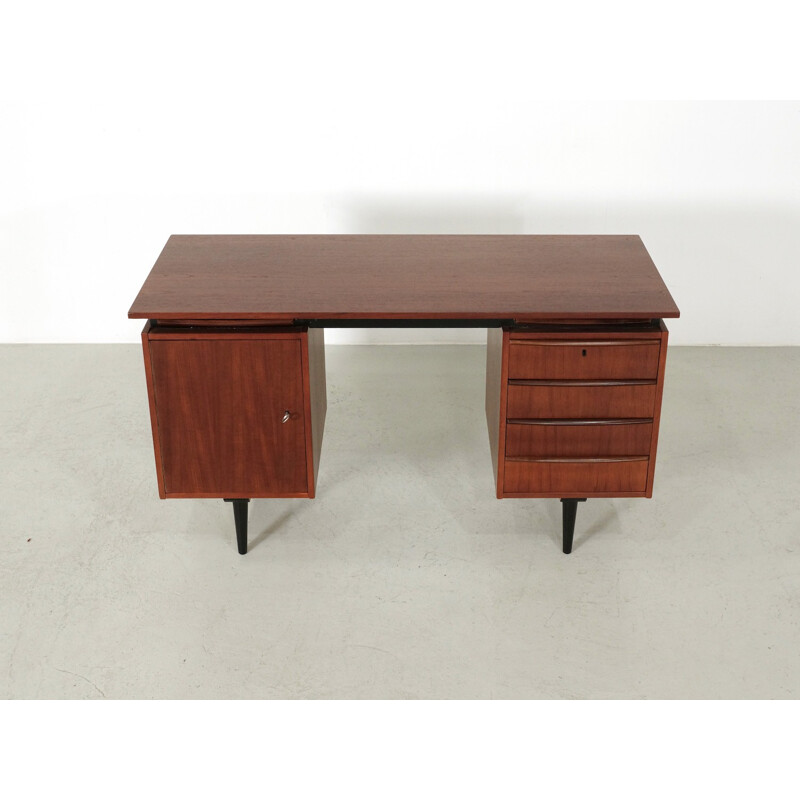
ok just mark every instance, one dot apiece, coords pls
pixel 403 277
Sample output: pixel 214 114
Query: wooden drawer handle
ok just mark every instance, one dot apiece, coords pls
pixel 632 421
pixel 568 382
pixel 576 343
pixel 590 460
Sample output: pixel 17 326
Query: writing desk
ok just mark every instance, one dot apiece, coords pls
pixel 235 359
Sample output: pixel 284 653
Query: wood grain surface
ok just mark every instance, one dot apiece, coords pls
pixel 583 478
pixel 571 438
pixel 219 405
pixel 284 277
pixel 583 360
pixel 581 402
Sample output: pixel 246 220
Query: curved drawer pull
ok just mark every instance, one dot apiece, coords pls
pixel 578 343
pixel 594 382
pixel 632 421
pixel 589 460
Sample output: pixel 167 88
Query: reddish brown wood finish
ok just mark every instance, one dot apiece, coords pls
pixel 219 402
pixel 616 439
pixel 584 360
pixel 581 402
pixel 254 324
pixel 587 436
pixel 228 345
pixel 576 328
pixel 575 478
pixel 599 330
pixel 391 277
pixel 229 332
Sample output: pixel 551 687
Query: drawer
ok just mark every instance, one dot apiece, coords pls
pixel 579 438
pixel 570 401
pixel 571 477
pixel 583 360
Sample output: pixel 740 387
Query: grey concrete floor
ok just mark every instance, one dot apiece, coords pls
pixel 405 578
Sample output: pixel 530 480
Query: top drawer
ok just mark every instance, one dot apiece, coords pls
pixel 598 359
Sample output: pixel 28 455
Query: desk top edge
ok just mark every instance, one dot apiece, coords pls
pixel 403 276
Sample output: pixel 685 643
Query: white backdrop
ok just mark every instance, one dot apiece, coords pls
pixel 122 127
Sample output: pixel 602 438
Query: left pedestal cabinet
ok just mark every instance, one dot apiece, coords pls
pixel 237 410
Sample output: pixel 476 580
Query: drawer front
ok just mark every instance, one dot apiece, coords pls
pixel 581 402
pixel 579 439
pixel 570 477
pixel 583 360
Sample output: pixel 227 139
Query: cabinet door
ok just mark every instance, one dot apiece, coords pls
pixel 220 405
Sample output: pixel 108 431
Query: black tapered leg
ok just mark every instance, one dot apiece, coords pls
pixel 569 511
pixel 240 520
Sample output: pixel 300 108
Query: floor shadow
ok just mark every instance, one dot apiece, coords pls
pixel 553 510
pixel 273 527
pixel 601 525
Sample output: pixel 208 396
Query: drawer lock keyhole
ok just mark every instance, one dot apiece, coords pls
pixel 583 352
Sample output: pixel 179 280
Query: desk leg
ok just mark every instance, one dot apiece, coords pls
pixel 569 512
pixel 240 520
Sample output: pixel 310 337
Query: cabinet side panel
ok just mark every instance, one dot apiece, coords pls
pixel 151 396
pixel 662 365
pixel 317 400
pixel 494 370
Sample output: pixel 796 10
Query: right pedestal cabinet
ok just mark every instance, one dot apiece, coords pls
pixel 573 410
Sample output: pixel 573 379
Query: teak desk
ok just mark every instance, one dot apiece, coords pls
pixel 235 360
